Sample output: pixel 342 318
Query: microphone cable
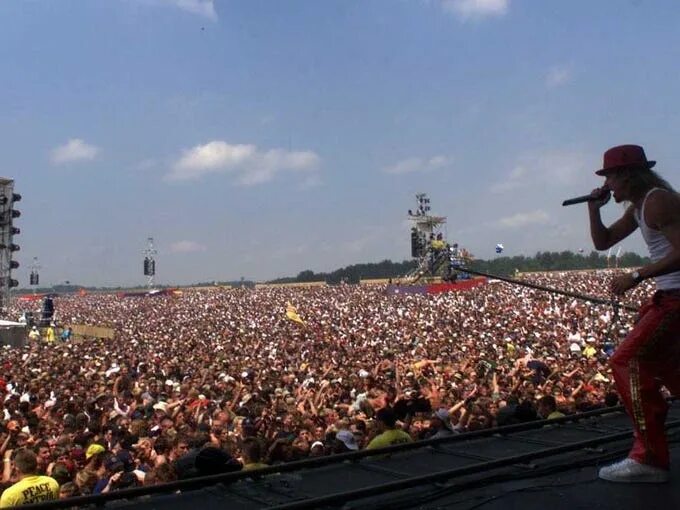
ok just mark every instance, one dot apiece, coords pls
pixel 576 295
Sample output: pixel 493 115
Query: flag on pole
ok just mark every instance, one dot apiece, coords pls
pixel 291 314
pixel 618 254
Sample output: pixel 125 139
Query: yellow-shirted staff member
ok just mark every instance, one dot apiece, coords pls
pixel 34 335
pixel 49 336
pixel 31 487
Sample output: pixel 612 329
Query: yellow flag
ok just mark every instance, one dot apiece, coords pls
pixel 291 314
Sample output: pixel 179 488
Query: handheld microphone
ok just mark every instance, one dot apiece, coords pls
pixel 585 198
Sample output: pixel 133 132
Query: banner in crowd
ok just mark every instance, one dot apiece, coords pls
pixel 393 290
pixel 82 330
pixel 435 288
pixel 151 293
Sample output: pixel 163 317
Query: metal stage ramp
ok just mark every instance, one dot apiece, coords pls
pixel 535 465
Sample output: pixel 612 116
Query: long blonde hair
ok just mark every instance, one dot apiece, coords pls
pixel 641 180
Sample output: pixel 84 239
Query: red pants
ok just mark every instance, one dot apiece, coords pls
pixel 648 358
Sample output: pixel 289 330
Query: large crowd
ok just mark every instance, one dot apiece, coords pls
pixel 218 380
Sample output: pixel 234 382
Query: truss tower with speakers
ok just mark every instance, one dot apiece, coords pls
pixel 8 229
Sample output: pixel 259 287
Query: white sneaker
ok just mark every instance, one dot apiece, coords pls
pixel 631 471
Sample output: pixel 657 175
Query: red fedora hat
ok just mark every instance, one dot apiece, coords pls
pixel 624 156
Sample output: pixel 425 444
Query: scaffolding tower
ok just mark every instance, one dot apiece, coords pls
pixel 428 243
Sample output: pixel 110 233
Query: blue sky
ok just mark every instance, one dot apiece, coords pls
pixel 259 138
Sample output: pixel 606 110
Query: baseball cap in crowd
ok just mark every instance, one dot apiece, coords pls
pixel 113 464
pixel 78 455
pixel 248 427
pixel 443 415
pixel 288 436
pixel 600 377
pixel 94 449
pixel 61 473
pixel 127 442
pixel 387 416
pixel 161 406
pixel 125 457
pixel 347 439
pixel 242 411
pixel 214 461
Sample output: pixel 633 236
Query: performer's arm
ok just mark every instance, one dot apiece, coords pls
pixel 606 237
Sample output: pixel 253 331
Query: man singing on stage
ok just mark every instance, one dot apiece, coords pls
pixel 649 357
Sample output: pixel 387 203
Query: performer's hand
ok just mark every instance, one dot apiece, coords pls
pixel 621 283
pixel 603 195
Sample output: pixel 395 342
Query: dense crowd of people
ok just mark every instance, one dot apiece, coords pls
pixel 219 380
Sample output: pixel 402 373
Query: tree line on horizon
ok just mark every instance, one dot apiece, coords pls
pixel 502 266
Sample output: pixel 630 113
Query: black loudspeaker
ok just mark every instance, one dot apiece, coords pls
pixel 47 312
pixel 416 244
pixel 149 267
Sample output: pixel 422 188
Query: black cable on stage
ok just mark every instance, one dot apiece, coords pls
pixel 576 295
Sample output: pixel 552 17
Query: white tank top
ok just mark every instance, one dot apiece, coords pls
pixel 658 246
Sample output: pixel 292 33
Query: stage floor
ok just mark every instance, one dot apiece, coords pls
pixel 571 490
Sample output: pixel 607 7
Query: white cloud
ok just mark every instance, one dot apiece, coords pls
pixel 558 75
pixel 514 180
pixel 249 165
pixel 205 8
pixel 186 247
pixel 546 169
pixel 289 252
pixel 412 165
pixel 518 220
pixel 213 155
pixel 72 151
pixel 475 9
pixel 311 180
pixel 145 164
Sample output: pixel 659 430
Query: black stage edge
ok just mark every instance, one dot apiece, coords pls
pixel 543 465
